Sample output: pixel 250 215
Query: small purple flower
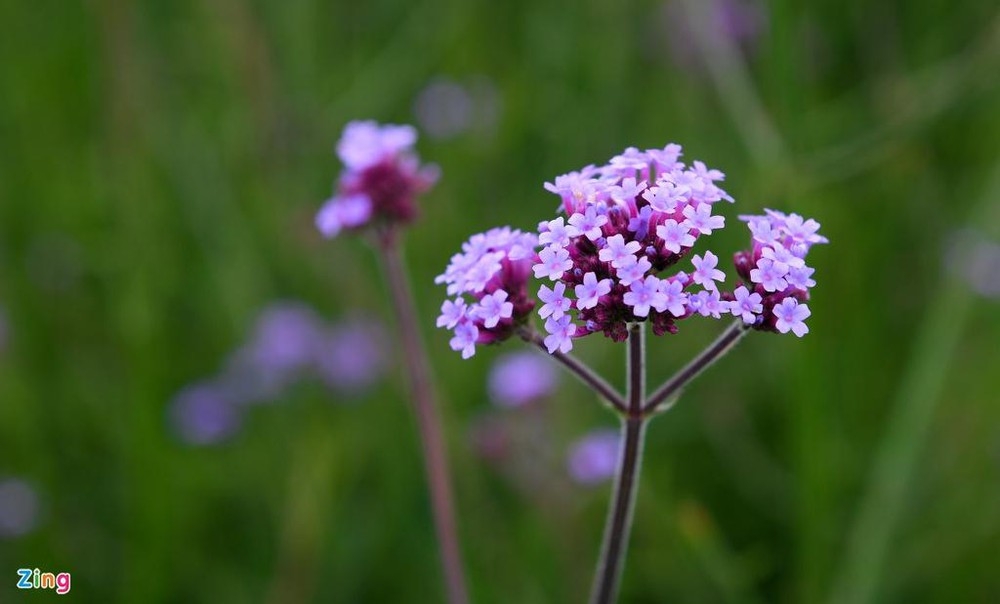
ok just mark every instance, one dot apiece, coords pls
pixel 520 378
pixel 645 294
pixel 701 219
pixel 589 223
pixel 465 338
pixel 639 224
pixel 665 196
pixel 19 508
pixel 560 334
pixel 593 459
pixel 747 305
pixel 628 190
pixel 760 227
pixel 588 293
pixel 557 233
pixel 204 414
pixel 635 270
pixel 791 317
pixel 494 307
pixel 674 298
pixel 708 304
pixel 801 278
pixel 554 261
pixel 674 235
pixel 705 273
pixel 770 274
pixel 452 312
pixel 619 253
pixel 782 257
pixel 556 302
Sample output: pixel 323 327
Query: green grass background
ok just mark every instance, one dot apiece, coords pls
pixel 160 163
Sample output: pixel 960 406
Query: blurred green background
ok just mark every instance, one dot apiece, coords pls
pixel 160 164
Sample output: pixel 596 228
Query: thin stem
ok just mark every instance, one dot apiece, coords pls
pixel 581 371
pixel 619 523
pixel 723 344
pixel 428 419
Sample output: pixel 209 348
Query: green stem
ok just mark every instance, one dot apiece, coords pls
pixel 428 419
pixel 619 523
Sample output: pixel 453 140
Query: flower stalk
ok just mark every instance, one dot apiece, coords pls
pixel 428 418
pixel 618 526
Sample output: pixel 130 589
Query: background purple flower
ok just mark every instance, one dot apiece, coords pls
pixel 976 260
pixel 352 355
pixel 18 508
pixel 447 108
pixel 593 458
pixel 519 378
pixel 204 414
pixel 739 22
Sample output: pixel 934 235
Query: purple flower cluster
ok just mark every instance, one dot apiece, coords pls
pixel 775 269
pixel 601 263
pixel 290 342
pixel 626 223
pixel 493 270
pixel 381 179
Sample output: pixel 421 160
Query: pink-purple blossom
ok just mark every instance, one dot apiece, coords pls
pixel 590 291
pixel 553 262
pixel 675 235
pixel 791 316
pixel 556 302
pixel 381 179
pixel 705 273
pixel 464 340
pixel 746 305
pixel 619 253
pixel 643 295
pixel 560 336
pixel 624 227
pixel 489 282
pixel 701 219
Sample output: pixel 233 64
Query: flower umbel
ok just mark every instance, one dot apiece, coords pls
pixel 493 270
pixel 381 179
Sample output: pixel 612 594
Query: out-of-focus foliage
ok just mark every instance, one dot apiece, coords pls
pixel 160 165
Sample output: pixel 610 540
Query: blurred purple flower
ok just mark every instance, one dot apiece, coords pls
pixel 18 508
pixel 286 338
pixel 443 109
pixel 204 414
pixel 593 459
pixel 976 260
pixel 447 108
pixel 740 22
pixel 352 355
pixel 520 378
